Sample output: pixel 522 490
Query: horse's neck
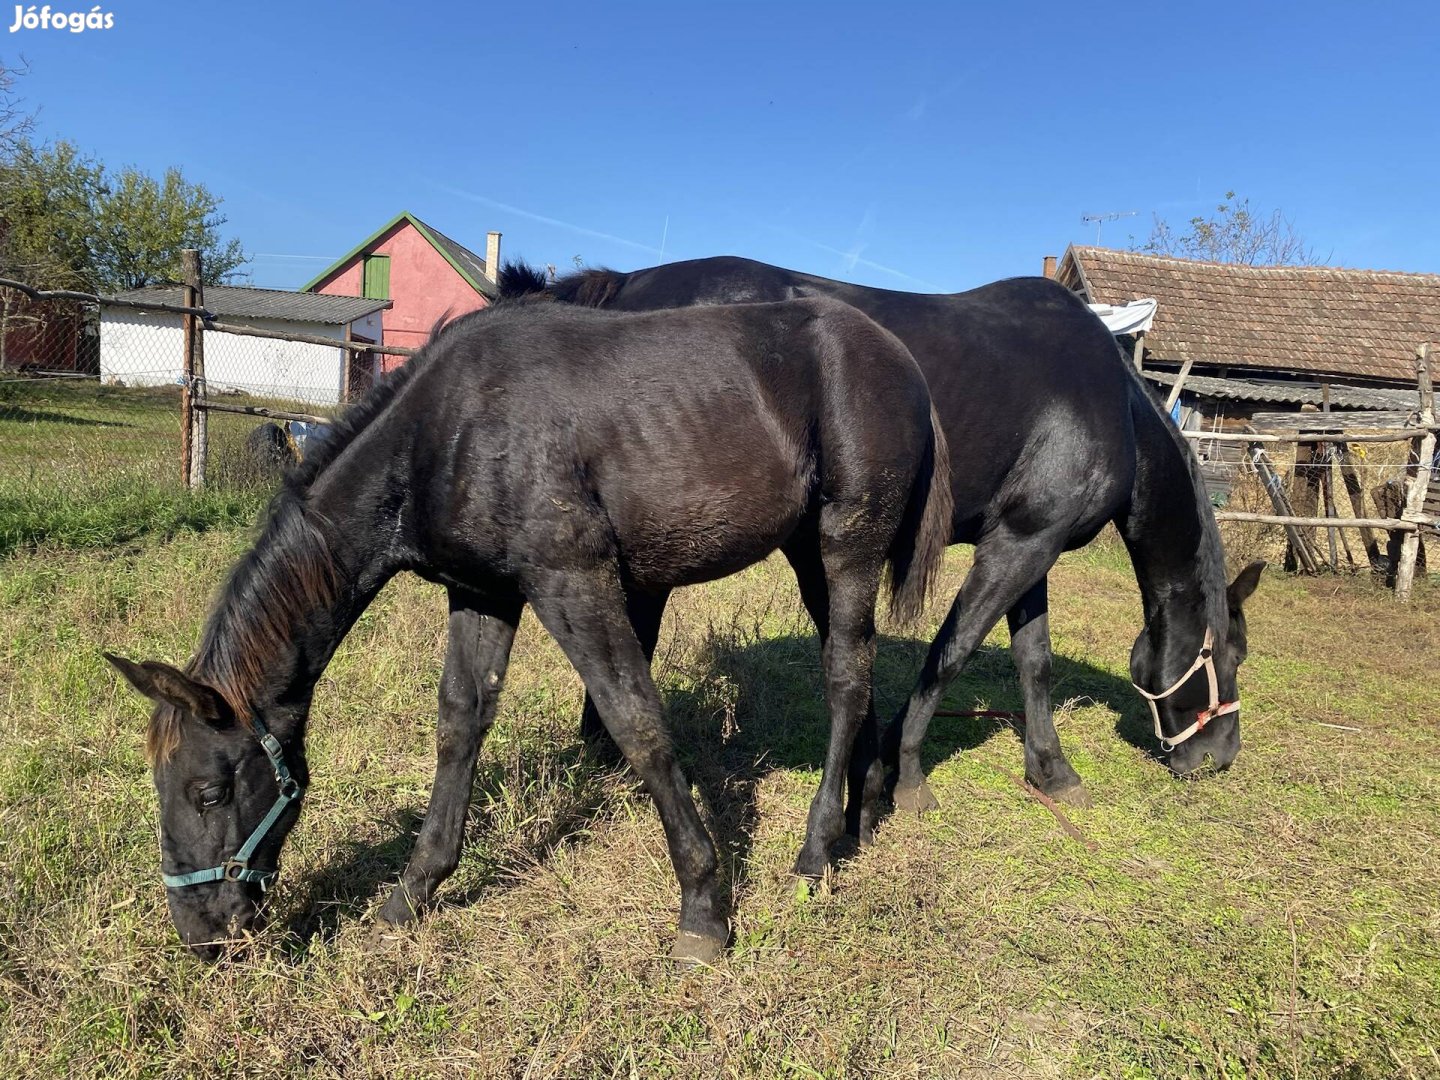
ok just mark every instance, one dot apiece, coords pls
pixel 295 596
pixel 1171 537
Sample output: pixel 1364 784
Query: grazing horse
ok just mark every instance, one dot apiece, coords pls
pixel 1052 435
pixel 566 459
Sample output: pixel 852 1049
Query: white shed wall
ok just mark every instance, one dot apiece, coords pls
pixel 144 349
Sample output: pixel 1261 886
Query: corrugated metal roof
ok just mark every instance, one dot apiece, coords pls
pixel 244 302
pixel 1341 396
pixel 1318 319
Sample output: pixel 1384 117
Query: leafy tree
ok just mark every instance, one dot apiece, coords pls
pixel 142 224
pixel 67 222
pixel 1235 234
pixel 48 201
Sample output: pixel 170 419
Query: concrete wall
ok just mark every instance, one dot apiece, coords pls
pixel 144 349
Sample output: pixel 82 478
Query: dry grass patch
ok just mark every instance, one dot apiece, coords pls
pixel 1278 920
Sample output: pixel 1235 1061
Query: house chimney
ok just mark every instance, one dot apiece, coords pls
pixel 1050 266
pixel 492 256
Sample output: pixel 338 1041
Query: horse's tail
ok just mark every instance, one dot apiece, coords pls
pixel 924 534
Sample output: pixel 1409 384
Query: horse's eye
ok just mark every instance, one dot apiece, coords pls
pixel 215 796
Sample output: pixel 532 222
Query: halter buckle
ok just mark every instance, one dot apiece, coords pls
pixel 1205 661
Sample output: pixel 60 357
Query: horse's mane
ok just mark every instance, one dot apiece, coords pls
pixel 1210 550
pixel 584 288
pixel 290 570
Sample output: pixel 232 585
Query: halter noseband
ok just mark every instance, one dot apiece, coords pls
pixel 238 868
pixel 1217 708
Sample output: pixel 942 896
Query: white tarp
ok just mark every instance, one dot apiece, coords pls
pixel 1132 318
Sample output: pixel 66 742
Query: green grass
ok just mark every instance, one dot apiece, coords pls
pixel 1275 921
pixel 89 466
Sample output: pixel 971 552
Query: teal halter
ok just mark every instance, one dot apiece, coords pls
pixel 238 867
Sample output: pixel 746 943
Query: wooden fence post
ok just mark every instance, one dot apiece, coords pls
pixel 1424 450
pixel 1305 558
pixel 187 382
pixel 197 443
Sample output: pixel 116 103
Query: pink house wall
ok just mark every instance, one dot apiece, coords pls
pixel 423 287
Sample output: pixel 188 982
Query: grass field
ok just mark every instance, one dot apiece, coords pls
pixel 85 465
pixel 1282 919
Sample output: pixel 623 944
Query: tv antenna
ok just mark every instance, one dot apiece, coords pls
pixel 1100 219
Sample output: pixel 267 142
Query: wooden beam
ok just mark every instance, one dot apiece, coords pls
pixel 194 294
pixel 1386 435
pixel 1336 522
pixel 260 410
pixel 1178 384
pixel 1424 452
pixel 1283 512
pixel 187 372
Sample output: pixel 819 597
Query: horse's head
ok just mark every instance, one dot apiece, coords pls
pixel 229 794
pixel 1185 668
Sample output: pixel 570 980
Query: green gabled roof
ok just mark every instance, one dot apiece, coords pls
pixel 464 261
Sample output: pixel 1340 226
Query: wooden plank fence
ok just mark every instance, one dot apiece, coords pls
pixel 1421 512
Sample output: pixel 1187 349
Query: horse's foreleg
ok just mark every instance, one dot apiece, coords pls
pixel 585 612
pixel 646 611
pixel 1004 572
pixel 1045 764
pixel 480 637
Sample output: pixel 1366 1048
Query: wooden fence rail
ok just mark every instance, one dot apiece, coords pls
pixel 1328 428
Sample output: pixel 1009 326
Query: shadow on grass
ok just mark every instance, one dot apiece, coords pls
pixel 527 806
pixel 11 413
pixel 770 714
pixel 347 884
pixel 739 707
pixel 1136 727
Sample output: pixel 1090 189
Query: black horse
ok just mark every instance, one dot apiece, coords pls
pixel 1052 435
pixel 566 459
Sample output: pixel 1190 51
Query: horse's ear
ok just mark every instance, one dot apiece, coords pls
pixel 161 682
pixel 1244 584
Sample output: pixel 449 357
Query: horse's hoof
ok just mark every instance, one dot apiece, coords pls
pixel 810 866
pixel 1075 795
pixel 691 949
pixel 399 910
pixel 917 799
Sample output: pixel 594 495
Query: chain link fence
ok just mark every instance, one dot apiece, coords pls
pixel 99 392
pixel 64 431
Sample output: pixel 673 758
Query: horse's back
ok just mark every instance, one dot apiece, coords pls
pixel 696 440
pixel 1029 386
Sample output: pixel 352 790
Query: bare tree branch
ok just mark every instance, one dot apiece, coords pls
pixel 1235 234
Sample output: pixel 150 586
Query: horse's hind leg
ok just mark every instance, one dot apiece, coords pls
pixel 852 581
pixel 1045 764
pixel 866 773
pixel 480 636
pixel 585 612
pixel 1005 570
pixel 646 609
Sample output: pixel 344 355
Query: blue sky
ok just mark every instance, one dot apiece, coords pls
pixel 923 146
